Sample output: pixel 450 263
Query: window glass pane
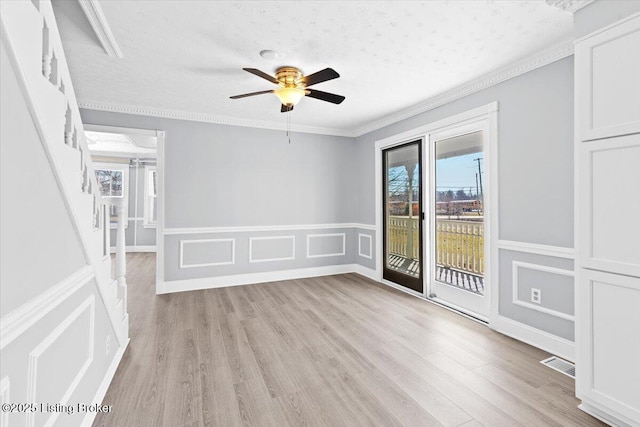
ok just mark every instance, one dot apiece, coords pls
pixel 104 182
pixel 116 183
pixel 403 210
pixel 109 182
pixel 459 212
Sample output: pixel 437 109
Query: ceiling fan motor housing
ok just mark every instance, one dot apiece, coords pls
pixel 289 76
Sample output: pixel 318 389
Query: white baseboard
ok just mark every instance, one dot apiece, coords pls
pixel 604 416
pixel 366 272
pixel 136 249
pixel 555 345
pixel 104 385
pixel 267 276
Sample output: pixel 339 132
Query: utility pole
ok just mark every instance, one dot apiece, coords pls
pixel 477 191
pixel 479 175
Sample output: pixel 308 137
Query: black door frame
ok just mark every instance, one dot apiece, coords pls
pixel 414 283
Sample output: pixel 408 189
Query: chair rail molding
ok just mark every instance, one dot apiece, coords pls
pixel 259 228
pixel 13 324
pixel 537 249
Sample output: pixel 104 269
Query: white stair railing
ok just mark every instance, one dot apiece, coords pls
pixel 35 48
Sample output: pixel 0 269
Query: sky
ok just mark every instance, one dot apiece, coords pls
pixel 454 173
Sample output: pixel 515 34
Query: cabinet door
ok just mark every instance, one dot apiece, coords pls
pixel 608 339
pixel 608 210
pixel 608 82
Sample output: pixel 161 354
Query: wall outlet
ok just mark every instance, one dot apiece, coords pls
pixel 536 296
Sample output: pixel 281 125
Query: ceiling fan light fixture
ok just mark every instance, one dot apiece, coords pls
pixel 289 95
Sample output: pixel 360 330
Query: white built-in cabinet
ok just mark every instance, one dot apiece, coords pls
pixel 607 212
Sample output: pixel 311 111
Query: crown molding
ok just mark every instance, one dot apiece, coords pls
pixel 569 6
pixel 500 75
pixel 98 21
pixel 208 118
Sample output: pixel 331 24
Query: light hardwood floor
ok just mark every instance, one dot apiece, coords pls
pixel 330 351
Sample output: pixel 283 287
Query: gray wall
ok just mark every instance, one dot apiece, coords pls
pixel 535 167
pixel 229 176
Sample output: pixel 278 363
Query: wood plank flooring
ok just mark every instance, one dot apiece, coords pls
pixel 330 351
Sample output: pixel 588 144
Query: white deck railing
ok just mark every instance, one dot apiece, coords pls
pixel 459 244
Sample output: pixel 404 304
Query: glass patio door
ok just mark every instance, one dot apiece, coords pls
pixel 403 213
pixel 457 253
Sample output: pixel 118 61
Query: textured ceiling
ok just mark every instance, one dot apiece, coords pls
pixel 187 55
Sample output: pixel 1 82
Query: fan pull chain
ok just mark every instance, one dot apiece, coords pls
pixel 289 126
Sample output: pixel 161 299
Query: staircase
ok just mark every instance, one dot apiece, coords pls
pixel 35 48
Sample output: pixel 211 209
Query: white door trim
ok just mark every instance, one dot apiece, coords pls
pixel 488 112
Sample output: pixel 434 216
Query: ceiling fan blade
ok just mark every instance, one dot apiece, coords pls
pixel 286 108
pixel 319 77
pixel 325 96
pixel 244 95
pixel 262 74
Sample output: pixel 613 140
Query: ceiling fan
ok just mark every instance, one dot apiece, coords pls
pixel 294 85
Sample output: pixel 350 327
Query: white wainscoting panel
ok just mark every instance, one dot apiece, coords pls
pixel 19 320
pixel 614 344
pixel 341 237
pixel 516 266
pixel 284 251
pixel 37 355
pixel 607 92
pixel 202 245
pixel 606 242
pixel 368 253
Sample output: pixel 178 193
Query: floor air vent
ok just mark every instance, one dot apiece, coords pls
pixel 567 368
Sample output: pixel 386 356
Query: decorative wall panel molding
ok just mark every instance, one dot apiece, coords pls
pixel 40 350
pixel 516 266
pixel 326 236
pixel 225 242
pixel 368 253
pixel 19 320
pixel 258 241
